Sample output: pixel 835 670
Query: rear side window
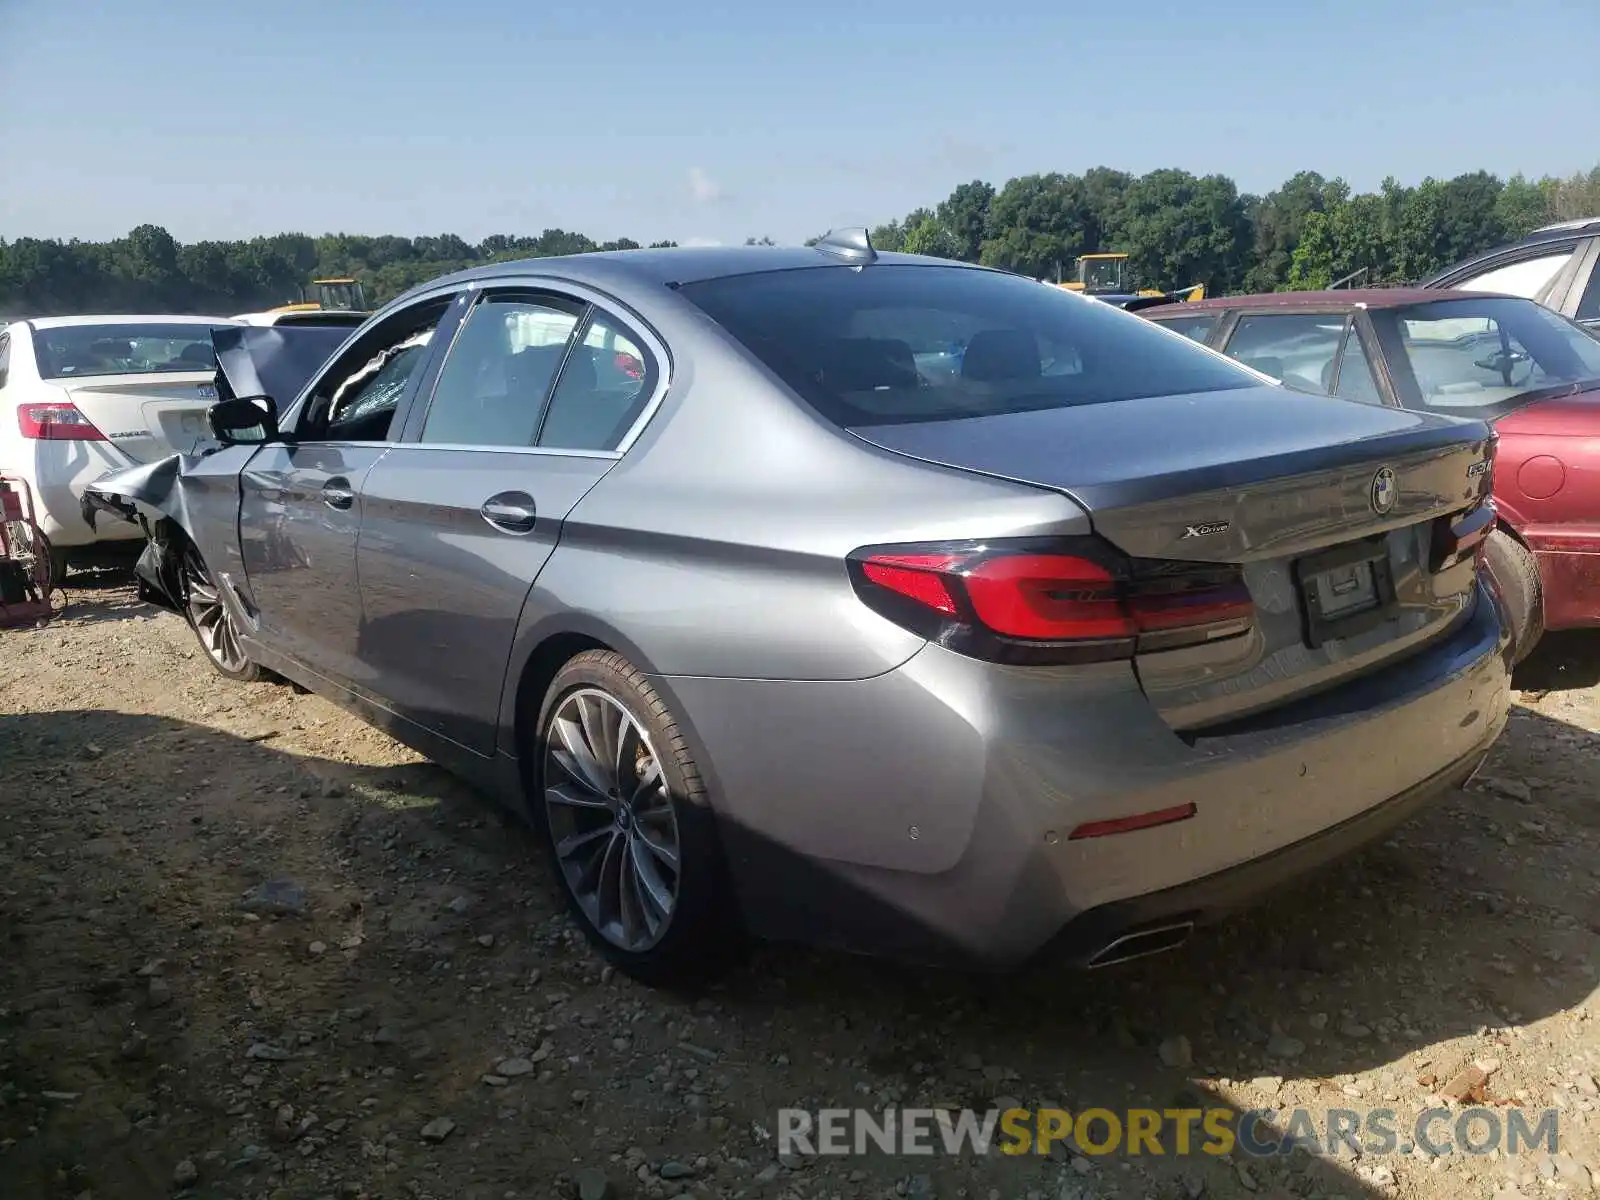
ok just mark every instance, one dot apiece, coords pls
pixel 889 344
pixel 1356 381
pixel 5 357
pixel 1526 278
pixel 604 386
pixel 1297 348
pixel 1197 327
pixel 1589 306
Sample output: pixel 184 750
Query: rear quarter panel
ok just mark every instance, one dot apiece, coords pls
pixel 1547 488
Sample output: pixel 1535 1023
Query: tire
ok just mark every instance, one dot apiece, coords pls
pixel 212 621
pixel 1516 571
pixel 610 850
pixel 60 562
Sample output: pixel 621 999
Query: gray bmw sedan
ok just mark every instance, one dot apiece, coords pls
pixel 869 600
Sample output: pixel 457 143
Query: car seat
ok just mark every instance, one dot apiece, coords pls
pixel 1001 355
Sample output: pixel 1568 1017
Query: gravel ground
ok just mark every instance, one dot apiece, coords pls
pixel 407 1012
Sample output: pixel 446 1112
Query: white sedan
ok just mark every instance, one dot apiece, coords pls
pixel 81 397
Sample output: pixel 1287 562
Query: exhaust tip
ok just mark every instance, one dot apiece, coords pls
pixel 1142 943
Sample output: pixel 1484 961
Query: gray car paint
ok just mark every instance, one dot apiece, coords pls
pixel 849 761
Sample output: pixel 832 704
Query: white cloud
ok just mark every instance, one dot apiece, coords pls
pixel 700 241
pixel 703 188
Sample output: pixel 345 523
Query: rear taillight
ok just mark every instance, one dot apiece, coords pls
pixel 1073 600
pixel 56 422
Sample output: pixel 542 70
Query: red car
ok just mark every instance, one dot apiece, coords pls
pixel 1533 373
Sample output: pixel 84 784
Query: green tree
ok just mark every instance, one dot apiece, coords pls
pixel 964 215
pixel 929 236
pixel 1522 206
pixel 1180 230
pixel 1036 225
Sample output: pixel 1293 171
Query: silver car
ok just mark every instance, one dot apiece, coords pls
pixel 868 600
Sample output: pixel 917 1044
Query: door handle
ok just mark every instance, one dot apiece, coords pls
pixel 336 493
pixel 513 512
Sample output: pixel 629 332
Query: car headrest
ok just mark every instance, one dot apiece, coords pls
pixel 198 352
pixel 995 355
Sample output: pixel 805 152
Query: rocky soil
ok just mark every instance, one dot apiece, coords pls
pixel 250 947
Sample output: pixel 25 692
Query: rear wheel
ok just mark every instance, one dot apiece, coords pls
pixel 1516 571
pixel 213 621
pixel 629 832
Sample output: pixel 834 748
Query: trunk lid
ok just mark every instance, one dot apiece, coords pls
pixel 149 417
pixel 1329 508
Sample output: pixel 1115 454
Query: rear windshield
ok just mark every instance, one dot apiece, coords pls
pixel 68 351
pixel 1481 357
pixel 898 343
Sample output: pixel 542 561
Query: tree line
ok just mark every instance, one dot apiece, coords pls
pixel 1178 229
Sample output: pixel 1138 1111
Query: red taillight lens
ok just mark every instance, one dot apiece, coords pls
pixel 914 576
pixel 1047 597
pixel 1031 602
pixel 56 422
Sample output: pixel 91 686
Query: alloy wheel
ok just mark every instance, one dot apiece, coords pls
pixel 210 616
pixel 612 820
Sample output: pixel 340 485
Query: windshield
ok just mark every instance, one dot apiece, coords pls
pixel 1102 274
pixel 70 351
pixel 1481 357
pixel 891 344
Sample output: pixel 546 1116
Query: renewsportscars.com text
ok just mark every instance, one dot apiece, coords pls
pixel 1172 1131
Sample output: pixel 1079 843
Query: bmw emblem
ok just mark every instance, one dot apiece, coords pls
pixel 1385 491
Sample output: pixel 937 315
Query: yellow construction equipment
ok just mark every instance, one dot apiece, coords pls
pixel 342 294
pixel 1103 275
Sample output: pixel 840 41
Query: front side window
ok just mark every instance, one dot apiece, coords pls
pixel 492 388
pixel 1527 278
pixel 356 399
pixel 1298 349
pixel 126 348
pixel 899 343
pixel 605 384
pixel 5 357
pixel 1482 357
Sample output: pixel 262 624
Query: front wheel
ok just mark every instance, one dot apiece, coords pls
pixel 213 621
pixel 626 822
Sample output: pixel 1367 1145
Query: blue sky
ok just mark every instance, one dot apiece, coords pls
pixel 693 119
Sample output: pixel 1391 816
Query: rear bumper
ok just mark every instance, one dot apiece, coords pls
pixel 58 473
pixel 1095 936
pixel 925 814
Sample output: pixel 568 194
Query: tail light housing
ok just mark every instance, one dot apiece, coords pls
pixel 56 421
pixel 1462 535
pixel 1059 600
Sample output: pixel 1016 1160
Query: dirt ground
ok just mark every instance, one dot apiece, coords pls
pixel 168 1025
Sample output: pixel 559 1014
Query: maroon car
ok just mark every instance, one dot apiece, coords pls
pixel 1533 373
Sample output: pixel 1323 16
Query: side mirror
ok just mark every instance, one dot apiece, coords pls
pixel 246 421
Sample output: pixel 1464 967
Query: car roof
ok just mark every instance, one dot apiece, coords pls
pixel 146 319
pixel 1563 229
pixel 1338 298
pixel 682 264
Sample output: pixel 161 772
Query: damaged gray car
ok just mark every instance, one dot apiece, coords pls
pixel 861 599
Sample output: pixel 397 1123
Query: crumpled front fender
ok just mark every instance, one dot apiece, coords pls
pixel 157 487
